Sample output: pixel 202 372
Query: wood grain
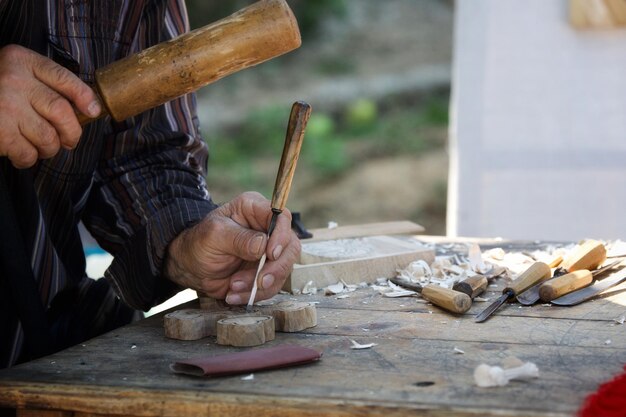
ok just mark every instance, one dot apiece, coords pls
pixel 353 271
pixel 369 229
pixel 244 331
pixel 413 369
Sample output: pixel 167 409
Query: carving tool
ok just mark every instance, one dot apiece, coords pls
pixel 170 69
pixel 591 291
pixel 586 256
pixel 572 281
pixel 472 286
pixel 537 272
pixel 451 300
pixel 298 118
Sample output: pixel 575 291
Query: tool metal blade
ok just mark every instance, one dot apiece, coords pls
pixel 493 307
pixel 591 291
pixel 255 285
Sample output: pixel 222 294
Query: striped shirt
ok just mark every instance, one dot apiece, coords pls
pixel 134 184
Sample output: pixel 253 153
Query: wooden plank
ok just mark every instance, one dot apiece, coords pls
pixel 354 271
pixel 598 14
pixel 370 229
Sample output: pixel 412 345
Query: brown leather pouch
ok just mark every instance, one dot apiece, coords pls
pixel 248 361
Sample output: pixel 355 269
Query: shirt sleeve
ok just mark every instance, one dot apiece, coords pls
pixel 150 183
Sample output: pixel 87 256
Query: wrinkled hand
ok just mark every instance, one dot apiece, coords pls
pixel 36 113
pixel 219 256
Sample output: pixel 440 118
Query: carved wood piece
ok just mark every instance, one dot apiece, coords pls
pixel 292 316
pixel 245 330
pixel 194 324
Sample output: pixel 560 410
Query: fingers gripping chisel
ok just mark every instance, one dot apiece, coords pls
pixel 586 256
pixel 537 272
pixel 300 113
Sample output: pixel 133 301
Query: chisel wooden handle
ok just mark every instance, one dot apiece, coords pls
pixel 564 284
pixel 589 255
pixel 472 286
pixel 538 271
pixel 298 119
pixel 454 301
pixel 179 66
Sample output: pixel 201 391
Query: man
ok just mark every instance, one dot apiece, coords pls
pixel 138 185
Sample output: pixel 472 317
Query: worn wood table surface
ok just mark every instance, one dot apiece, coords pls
pixel 413 369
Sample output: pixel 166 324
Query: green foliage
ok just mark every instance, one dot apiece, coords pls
pixel 334 142
pixel 309 13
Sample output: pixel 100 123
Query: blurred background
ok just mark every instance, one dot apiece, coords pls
pixel 377 75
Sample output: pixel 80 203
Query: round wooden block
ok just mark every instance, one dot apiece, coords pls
pixel 245 330
pixel 189 324
pixel 294 316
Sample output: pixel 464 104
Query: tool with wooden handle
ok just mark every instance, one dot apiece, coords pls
pixel 472 286
pixel 300 113
pixel 565 284
pixel 451 300
pixel 158 74
pixel 538 271
pixel 587 256
pixel 591 291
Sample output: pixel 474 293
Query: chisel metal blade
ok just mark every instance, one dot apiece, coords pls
pixel 591 291
pixel 493 307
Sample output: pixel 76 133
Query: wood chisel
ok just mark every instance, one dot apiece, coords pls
pixel 298 118
pixel 453 301
pixel 477 284
pixel 591 291
pixel 572 281
pixel 538 271
pixel 586 256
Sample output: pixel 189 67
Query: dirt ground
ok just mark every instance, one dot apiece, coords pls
pixel 378 49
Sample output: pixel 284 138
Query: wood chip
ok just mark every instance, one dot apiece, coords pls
pixel 356 345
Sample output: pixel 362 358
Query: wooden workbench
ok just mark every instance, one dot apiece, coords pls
pixel 413 369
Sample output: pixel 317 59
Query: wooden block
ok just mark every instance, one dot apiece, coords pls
pixel 370 229
pixel 597 14
pixel 292 316
pixel 354 271
pixel 354 248
pixel 245 330
pixel 193 324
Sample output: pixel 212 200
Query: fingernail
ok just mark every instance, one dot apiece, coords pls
pixel 277 251
pixel 256 246
pixel 94 109
pixel 238 286
pixel 233 299
pixel 267 281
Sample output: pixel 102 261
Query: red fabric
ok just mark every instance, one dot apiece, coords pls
pixel 609 401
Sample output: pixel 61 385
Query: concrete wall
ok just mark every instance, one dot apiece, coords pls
pixel 538 126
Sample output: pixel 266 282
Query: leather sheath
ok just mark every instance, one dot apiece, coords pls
pixel 280 356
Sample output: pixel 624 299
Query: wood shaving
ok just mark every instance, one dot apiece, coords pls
pixel 332 225
pixel 356 345
pixel 399 293
pixel 620 320
pixel 458 351
pixel 481 299
pixel 494 376
pixel 247 377
pixel 342 296
pixel 334 289
pixel 476 259
pixel 309 289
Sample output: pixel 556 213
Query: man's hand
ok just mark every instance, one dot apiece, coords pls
pixel 219 255
pixel 37 100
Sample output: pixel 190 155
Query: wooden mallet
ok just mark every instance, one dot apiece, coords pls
pixel 168 70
